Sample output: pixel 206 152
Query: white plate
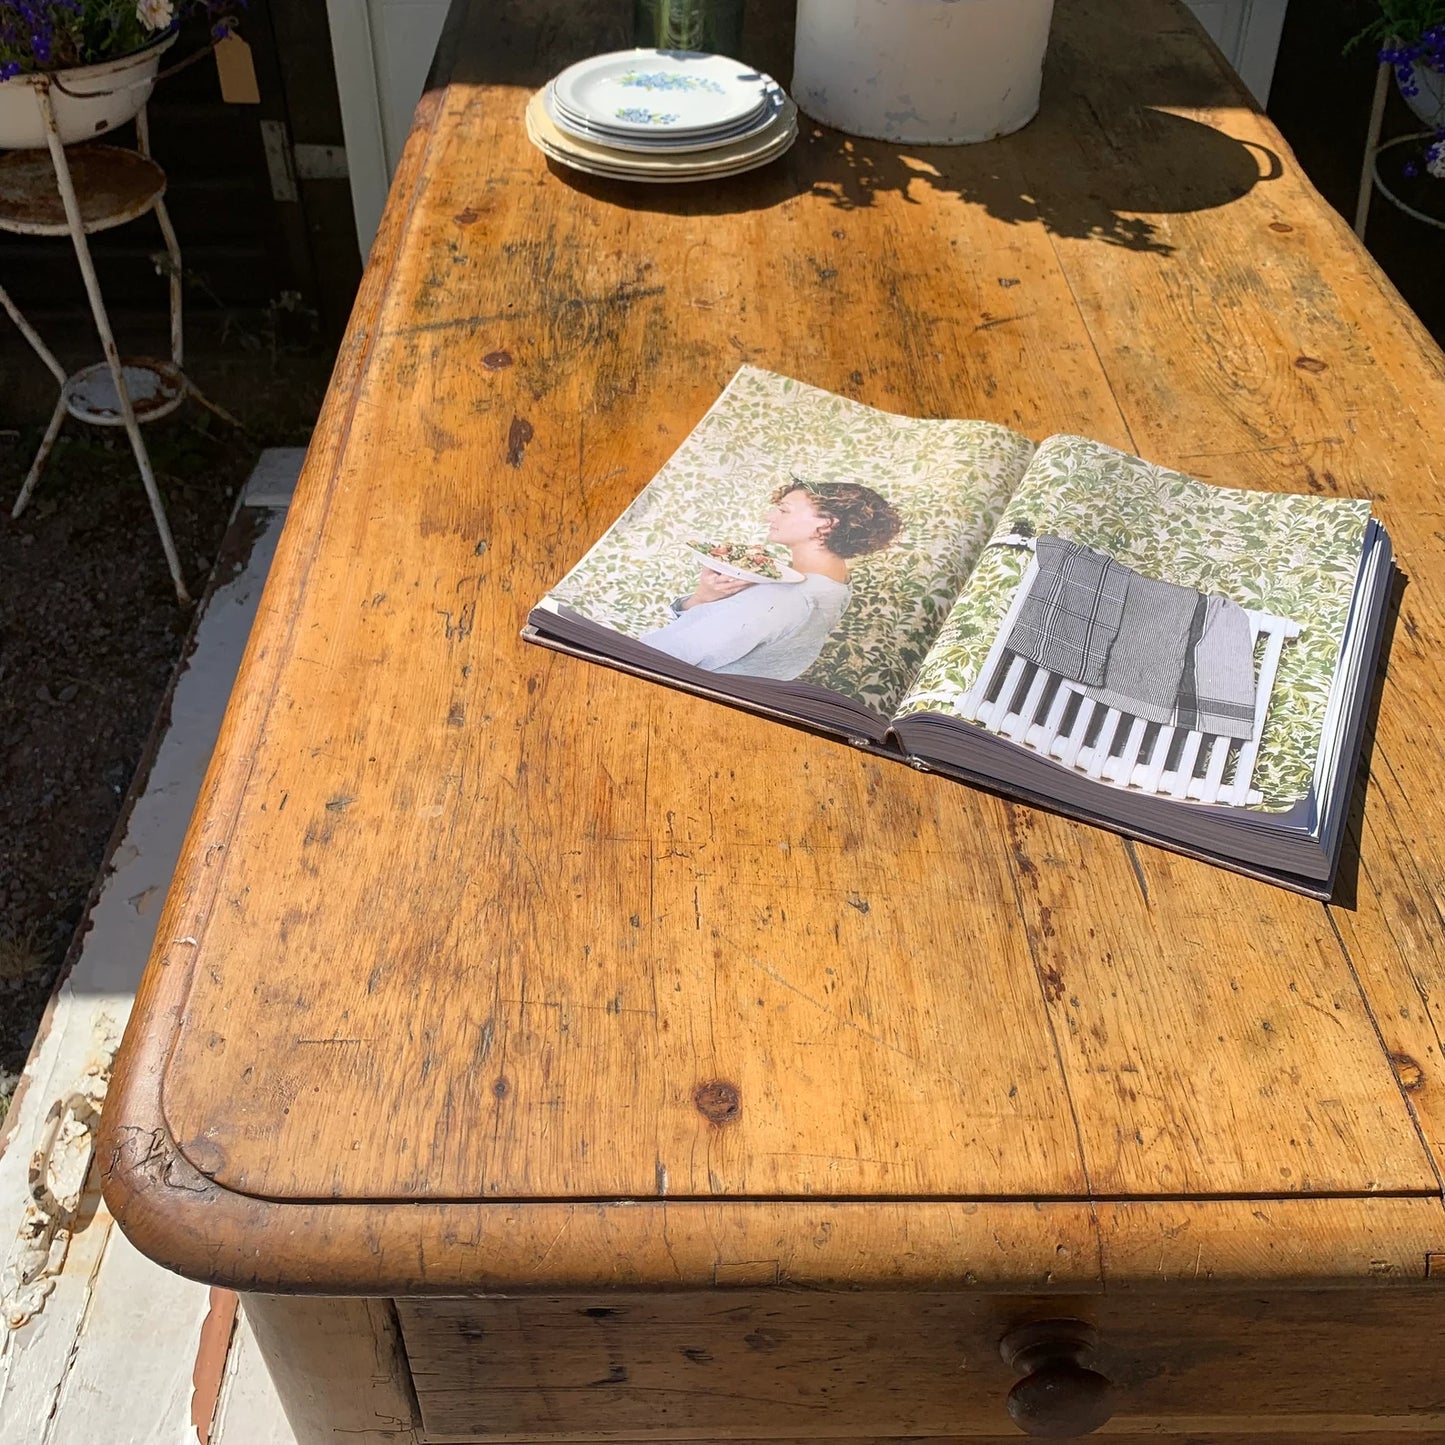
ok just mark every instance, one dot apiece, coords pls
pixel 775 106
pixel 596 159
pixel 729 569
pixel 659 139
pixel 664 178
pixel 660 92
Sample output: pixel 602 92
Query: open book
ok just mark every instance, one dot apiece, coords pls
pixel 1063 623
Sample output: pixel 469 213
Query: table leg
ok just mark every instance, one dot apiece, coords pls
pixel 339 1368
pixel 33 337
pixel 48 441
pixel 173 245
pixel 107 340
pixel 57 418
pixel 1372 144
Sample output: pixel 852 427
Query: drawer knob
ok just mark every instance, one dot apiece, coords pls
pixel 1058 1397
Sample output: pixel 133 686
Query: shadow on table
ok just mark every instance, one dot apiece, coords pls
pixel 1104 160
pixel 1169 166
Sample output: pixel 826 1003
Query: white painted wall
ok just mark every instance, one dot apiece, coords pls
pixel 1248 32
pixel 384 48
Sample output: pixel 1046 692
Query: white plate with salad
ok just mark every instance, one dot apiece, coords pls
pixel 748 562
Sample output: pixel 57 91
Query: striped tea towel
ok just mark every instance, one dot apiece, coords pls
pixel 1072 611
pixel 1216 693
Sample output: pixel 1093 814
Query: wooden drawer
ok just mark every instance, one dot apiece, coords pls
pixel 1323 1366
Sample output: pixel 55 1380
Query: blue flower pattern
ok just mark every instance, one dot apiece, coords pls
pixel 661 80
pixel 640 115
pixel 669 80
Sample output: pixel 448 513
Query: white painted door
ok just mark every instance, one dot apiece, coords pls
pixel 383 50
pixel 1248 32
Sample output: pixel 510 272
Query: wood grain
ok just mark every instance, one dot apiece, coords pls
pixel 460 921
pixel 769 1365
pixel 338 1367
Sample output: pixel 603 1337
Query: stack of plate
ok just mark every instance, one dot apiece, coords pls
pixel 662 115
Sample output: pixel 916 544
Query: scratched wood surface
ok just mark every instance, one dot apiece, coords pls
pixel 461 921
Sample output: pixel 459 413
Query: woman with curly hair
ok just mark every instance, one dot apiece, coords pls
pixel 777 630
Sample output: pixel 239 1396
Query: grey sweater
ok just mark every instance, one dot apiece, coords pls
pixel 769 629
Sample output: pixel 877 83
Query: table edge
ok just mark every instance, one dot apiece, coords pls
pixel 182 1219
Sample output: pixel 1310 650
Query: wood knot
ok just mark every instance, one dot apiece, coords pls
pixel 204 1155
pixel 718 1102
pixel 497 360
pixel 1409 1073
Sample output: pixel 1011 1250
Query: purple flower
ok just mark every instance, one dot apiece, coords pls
pixel 1411 169
pixel 54 34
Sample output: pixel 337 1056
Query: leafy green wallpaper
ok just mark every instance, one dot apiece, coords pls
pixel 949 479
pixel 1293 556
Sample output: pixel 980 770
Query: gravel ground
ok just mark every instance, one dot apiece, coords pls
pixel 89 635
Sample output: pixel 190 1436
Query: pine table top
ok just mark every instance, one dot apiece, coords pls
pixel 486 966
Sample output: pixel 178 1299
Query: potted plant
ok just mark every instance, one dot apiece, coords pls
pixel 98 58
pixel 1410 35
pixel 921 71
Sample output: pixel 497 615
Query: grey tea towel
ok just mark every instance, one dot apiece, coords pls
pixel 1072 612
pixel 1146 662
pixel 1216 695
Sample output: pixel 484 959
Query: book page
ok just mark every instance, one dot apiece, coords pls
pixel 1291 557
pixel 870 521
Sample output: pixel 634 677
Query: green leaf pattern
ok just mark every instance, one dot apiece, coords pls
pixel 950 480
pixel 1293 556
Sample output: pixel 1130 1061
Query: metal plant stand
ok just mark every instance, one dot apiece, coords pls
pixel 86 189
pixel 1370 178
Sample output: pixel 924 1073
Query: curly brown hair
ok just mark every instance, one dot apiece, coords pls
pixel 862 521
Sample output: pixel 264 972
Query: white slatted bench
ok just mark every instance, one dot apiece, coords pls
pixel 1017 699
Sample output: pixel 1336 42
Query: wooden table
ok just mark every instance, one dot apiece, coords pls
pixel 552 1056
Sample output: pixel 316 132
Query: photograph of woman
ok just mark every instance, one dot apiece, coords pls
pixel 778 629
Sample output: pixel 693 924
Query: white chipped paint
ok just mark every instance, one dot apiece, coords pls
pixel 248 1412
pixel 105 1341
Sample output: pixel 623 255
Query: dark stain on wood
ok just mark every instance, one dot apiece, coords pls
pixel 1409 1073
pixel 206 1156
pixel 1311 364
pixel 616 1375
pixel 497 360
pixel 518 435
pixel 718 1102
pixel 458 630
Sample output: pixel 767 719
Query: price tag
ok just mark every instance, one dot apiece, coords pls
pixel 237 72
